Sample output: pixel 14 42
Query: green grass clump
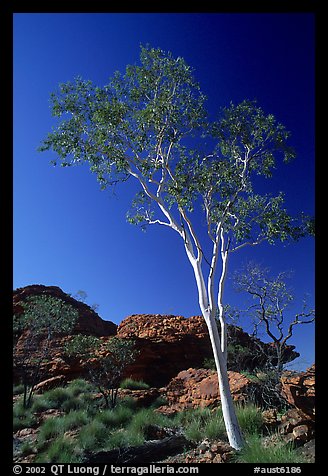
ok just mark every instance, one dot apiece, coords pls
pixel 50 428
pixel 146 417
pixel 57 426
pixel 124 438
pixel 41 404
pixel 85 426
pixel 116 418
pixel 61 450
pixel 57 396
pixel 255 452
pixel 79 386
pixel 23 417
pixel 93 436
pixel 250 418
pixel 200 423
pixel 131 384
pixel 26 448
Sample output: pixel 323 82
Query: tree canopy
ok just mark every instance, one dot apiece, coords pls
pixel 151 124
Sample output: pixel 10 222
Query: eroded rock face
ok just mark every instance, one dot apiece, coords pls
pixel 169 344
pixel 166 344
pixel 299 390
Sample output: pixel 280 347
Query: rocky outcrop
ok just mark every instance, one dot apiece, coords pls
pixel 199 388
pixel 296 426
pixel 88 323
pixel 299 390
pixel 54 368
pixel 166 344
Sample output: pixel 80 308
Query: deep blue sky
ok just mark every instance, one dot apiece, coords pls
pixel 70 234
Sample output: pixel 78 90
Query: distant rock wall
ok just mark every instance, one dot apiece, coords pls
pixel 167 344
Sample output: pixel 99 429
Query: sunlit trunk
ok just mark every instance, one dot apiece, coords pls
pixel 228 409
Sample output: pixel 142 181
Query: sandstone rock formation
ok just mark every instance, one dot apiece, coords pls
pixel 299 390
pixel 167 344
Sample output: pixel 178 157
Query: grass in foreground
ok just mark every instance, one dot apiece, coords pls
pixel 84 426
pixel 255 452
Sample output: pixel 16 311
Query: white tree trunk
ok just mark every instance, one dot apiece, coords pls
pixel 219 349
pixel 228 409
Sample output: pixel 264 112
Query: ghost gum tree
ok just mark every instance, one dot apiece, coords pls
pixel 150 124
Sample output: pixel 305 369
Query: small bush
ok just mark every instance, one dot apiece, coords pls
pixel 159 402
pixel 124 438
pixel 128 402
pixel 214 428
pixel 75 419
pixel 209 363
pixel 131 384
pixel 146 417
pixel 26 448
pixel 74 403
pixel 57 426
pixel 41 404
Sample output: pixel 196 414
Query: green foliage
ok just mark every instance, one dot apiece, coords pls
pixel 94 435
pixel 131 384
pixel 47 314
pixel 57 396
pixel 61 450
pixel 255 452
pixel 26 448
pixel 115 419
pixel 18 389
pixel 81 346
pixel 64 438
pixel 80 386
pixel 43 318
pixel 108 374
pixel 209 363
pixel 200 423
pixel 250 418
pixel 23 417
pixel 136 126
pixel 146 417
